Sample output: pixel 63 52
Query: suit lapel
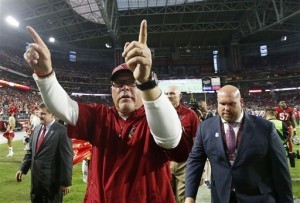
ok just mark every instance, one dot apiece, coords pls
pixel 49 133
pixel 218 137
pixel 246 137
pixel 36 133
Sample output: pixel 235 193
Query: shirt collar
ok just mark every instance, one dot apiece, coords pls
pixel 49 125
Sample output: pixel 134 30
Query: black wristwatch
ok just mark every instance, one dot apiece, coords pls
pixel 153 82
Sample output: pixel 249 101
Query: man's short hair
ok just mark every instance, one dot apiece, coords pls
pixel 42 105
pixel 271 112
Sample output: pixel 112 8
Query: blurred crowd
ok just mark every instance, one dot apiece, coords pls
pixel 94 79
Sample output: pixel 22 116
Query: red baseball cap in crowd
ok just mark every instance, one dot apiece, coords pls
pixel 119 69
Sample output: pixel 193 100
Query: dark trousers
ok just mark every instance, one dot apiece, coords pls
pixel 233 198
pixel 39 198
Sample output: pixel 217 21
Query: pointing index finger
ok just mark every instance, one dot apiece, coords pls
pixel 35 36
pixel 143 32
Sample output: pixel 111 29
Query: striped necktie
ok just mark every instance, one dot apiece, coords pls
pixel 230 141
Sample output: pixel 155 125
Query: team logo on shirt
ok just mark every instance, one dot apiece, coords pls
pixel 181 117
pixel 131 132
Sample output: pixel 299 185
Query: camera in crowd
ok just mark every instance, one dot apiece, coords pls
pixel 193 104
pixel 26 139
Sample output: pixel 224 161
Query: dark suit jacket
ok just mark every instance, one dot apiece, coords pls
pixel 51 166
pixel 259 173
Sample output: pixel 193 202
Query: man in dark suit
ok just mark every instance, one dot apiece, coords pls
pixel 251 168
pixel 50 158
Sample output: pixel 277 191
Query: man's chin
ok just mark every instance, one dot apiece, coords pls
pixel 228 118
pixel 128 107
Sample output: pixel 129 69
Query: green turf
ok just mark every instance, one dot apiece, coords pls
pixel 13 192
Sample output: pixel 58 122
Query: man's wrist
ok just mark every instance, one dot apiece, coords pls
pixel 43 75
pixel 150 84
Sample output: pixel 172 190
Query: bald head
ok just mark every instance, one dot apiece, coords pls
pixel 173 93
pixel 229 103
pixel 229 90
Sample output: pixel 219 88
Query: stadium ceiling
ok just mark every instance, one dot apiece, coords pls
pixel 171 23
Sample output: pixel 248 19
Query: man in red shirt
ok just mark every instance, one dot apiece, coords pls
pixel 132 141
pixel 189 121
pixel 286 114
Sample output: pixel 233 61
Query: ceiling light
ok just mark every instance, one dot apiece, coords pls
pixel 11 21
pixel 108 45
pixel 51 39
pixel 283 38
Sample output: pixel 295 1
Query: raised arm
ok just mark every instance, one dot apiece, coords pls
pixel 163 120
pixel 54 96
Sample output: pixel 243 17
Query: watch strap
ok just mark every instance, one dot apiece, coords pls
pixel 149 84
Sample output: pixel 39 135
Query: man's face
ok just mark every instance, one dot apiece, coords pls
pixel 203 106
pixel 173 95
pixel 282 104
pixel 45 116
pixel 125 94
pixel 36 112
pixel 229 106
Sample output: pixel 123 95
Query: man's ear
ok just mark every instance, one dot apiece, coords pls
pixel 242 102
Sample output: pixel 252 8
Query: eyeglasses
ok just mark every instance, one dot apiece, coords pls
pixel 121 83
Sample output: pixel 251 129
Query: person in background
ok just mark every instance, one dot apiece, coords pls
pixel 281 127
pixel 50 159
pixel 246 154
pixel 286 114
pixel 189 121
pixel 203 111
pixel 297 115
pixel 34 121
pixel 205 114
pixel 283 132
pixel 132 141
pixel 9 133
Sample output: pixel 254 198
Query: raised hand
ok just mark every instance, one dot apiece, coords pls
pixel 138 56
pixel 38 55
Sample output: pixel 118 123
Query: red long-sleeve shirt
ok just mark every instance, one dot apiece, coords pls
pixel 126 164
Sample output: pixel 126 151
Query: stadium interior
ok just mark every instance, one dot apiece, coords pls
pixel 251 44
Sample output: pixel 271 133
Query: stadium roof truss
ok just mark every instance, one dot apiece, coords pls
pixel 171 23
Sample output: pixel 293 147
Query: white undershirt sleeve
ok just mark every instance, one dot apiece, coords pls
pixel 164 122
pixel 57 100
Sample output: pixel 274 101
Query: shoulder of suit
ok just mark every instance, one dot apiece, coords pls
pixel 57 125
pixel 214 120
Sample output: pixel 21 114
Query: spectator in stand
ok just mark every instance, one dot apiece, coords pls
pixel 286 114
pixel 189 121
pixel 9 133
pixel 134 140
pixel 247 157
